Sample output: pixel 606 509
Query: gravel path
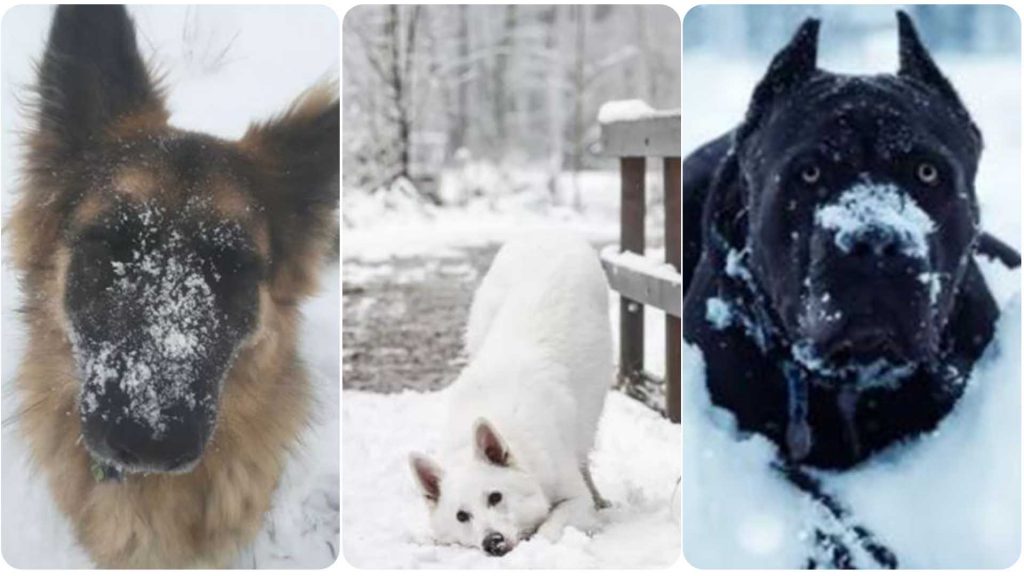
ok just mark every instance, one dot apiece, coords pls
pixel 403 319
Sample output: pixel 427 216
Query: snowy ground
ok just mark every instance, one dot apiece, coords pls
pixel 635 465
pixel 219 95
pixel 949 500
pixel 408 276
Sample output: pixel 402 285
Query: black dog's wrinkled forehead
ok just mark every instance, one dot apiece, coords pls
pixel 916 107
pixel 880 116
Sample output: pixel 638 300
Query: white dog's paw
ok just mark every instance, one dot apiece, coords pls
pixel 588 523
pixel 551 531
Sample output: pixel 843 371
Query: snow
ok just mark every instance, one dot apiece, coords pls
pixel 637 458
pixel 924 499
pixel 884 212
pixel 385 518
pixel 641 264
pixel 735 266
pixel 386 224
pixel 624 111
pixel 218 92
pixel 947 500
pixel 933 280
pixel 719 314
pixel 178 319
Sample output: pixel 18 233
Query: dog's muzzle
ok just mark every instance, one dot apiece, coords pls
pixel 879 220
pixel 871 291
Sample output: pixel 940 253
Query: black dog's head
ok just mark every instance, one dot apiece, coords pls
pixel 856 207
pixel 162 253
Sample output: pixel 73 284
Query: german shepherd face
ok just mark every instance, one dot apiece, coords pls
pixel 159 253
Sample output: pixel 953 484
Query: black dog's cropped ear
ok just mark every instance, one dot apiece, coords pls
pixel 299 155
pixel 92 74
pixel 915 60
pixel 917 63
pixel 794 64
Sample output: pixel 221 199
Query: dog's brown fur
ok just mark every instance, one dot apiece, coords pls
pixel 280 183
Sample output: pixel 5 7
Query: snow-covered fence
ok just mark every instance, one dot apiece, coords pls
pixel 633 132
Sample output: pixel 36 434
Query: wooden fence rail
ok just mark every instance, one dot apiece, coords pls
pixel 633 139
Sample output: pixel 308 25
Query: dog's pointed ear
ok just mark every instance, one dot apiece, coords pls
pixel 91 75
pixel 428 476
pixel 791 66
pixel 915 60
pixel 299 153
pixel 795 63
pixel 489 444
pixel 917 63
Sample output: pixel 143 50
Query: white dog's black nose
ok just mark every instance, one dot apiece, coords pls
pixel 495 544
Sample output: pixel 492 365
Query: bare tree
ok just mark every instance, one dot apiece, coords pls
pixel 555 100
pixel 579 91
pixel 504 96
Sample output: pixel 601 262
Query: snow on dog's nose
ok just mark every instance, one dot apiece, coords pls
pixel 878 219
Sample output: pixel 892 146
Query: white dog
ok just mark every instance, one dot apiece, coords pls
pixel 524 412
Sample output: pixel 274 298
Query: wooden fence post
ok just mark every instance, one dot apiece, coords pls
pixel 673 337
pixel 631 313
pixel 634 133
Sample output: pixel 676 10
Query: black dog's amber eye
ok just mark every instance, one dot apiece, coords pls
pixel 810 174
pixel 462 516
pixel 494 498
pixel 927 173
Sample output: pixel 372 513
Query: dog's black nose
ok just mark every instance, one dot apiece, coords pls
pixel 135 447
pixel 874 241
pixel 495 544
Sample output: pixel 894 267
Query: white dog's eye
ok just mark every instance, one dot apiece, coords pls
pixel 810 174
pixel 927 173
pixel 494 498
pixel 462 516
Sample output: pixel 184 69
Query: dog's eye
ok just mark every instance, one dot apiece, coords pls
pixel 927 173
pixel 810 174
pixel 494 498
pixel 462 516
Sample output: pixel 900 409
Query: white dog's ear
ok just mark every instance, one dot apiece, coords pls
pixel 489 445
pixel 428 476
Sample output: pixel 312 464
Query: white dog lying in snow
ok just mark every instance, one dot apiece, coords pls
pixel 523 414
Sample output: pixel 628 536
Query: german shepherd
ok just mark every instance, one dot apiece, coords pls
pixel 162 270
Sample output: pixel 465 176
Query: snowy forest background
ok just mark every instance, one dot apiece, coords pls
pixel 426 87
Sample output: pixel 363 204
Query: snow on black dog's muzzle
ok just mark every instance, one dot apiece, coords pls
pixel 877 219
pixel 872 291
pixel 152 345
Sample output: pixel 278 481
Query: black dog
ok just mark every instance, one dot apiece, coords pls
pixel 829 273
